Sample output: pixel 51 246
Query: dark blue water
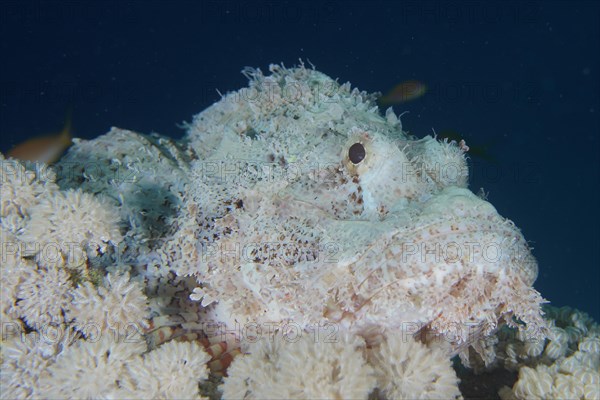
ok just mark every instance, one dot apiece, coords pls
pixel 518 78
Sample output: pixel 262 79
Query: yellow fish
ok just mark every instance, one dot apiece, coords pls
pixel 46 149
pixel 406 91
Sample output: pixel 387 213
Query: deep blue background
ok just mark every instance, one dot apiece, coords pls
pixel 521 78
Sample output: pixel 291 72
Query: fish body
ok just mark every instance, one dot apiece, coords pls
pixel 366 229
pixel 293 208
pixel 46 149
pixel 404 92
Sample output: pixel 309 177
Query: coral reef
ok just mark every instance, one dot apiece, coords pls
pixel 137 262
pixel 85 333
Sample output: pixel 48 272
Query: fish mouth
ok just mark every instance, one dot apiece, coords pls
pixel 456 271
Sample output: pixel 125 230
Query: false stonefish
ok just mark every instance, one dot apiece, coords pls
pixel 305 207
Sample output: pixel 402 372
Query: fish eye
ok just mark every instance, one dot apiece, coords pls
pixel 357 153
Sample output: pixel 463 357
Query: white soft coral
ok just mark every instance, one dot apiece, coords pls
pixel 301 368
pixel 66 227
pixel 407 369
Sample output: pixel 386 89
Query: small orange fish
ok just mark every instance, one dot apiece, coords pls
pixel 406 91
pixel 46 149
